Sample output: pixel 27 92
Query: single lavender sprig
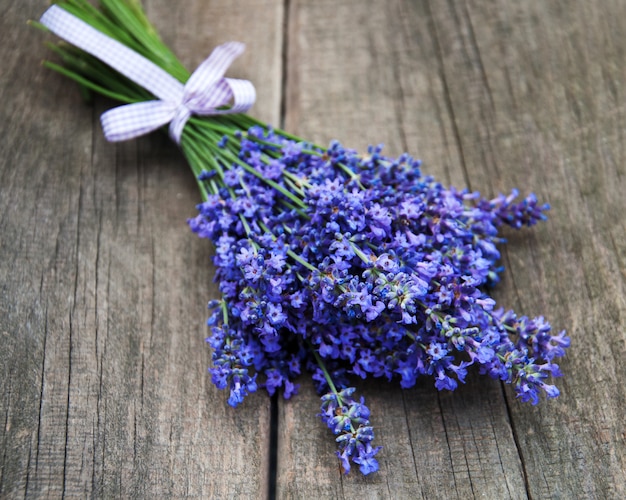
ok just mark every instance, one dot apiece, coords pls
pixel 349 421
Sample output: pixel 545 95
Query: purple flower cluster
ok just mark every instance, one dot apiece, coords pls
pixel 345 264
pixel 349 421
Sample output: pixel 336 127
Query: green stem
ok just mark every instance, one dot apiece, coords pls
pixel 86 83
pixel 329 380
pixel 301 261
pixel 224 312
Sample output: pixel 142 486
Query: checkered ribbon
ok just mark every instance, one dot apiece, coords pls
pixel 207 92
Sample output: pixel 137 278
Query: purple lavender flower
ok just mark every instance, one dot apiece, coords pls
pixel 366 266
pixel 349 421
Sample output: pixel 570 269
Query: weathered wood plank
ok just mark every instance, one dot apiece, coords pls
pixel 492 95
pixel 102 367
pixel 547 111
pixel 104 289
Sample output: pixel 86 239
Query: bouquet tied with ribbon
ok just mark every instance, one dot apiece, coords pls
pixel 328 261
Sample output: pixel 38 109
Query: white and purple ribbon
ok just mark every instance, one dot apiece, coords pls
pixel 205 92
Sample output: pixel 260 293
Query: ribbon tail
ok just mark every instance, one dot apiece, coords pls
pixel 117 55
pixel 178 123
pixel 133 120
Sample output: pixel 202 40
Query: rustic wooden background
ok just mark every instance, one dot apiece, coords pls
pixel 103 384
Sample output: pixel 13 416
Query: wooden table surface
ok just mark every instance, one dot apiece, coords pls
pixel 103 385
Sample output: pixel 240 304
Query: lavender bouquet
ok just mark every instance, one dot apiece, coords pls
pixel 341 264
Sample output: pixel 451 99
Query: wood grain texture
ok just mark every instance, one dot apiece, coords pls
pixel 103 384
pixel 104 289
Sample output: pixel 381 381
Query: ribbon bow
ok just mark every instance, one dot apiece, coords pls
pixel 204 93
